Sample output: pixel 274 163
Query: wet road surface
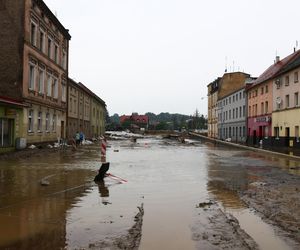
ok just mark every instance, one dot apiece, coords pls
pixel 172 180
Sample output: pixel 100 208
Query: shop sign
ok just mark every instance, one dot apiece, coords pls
pixel 10 112
pixel 263 119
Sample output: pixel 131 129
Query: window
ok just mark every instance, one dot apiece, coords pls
pixel 64 59
pixel 266 131
pixel 70 105
pixel 54 123
pixel 233 98
pixel 297 133
pixel 63 91
pixel 296 99
pixel 55 88
pixel 240 95
pixel 42 40
pixel 287 101
pixel 233 114
pixel 262 91
pixel 49 47
pixel 56 53
pixel 256 92
pixel 266 107
pixel 236 112
pixel 296 77
pixel 6 132
pixel 249 111
pixel 229 100
pixel 39 128
pixel 267 90
pixel 47 121
pixel 49 85
pixel 287 81
pixel 31 76
pixel 30 120
pixel 226 101
pixel 75 108
pixel 33 33
pixel 229 114
pixel 276 132
pixel 240 111
pixel 262 108
pixel 244 110
pixel 41 81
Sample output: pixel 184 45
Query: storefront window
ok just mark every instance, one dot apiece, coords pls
pixel 6 132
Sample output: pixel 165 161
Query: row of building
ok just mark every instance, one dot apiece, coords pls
pixel 257 110
pixel 38 101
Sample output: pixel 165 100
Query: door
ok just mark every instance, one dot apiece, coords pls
pixel 62 129
pixel 287 137
pixel 254 137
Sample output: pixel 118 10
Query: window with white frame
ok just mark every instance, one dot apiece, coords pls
pixel 56 53
pixel 49 84
pixel 47 121
pixel 31 76
pixel 296 99
pixel 30 120
pixel 287 101
pixel 50 45
pixel 40 122
pixel 54 123
pixel 296 77
pixel 287 80
pixel 42 40
pixel 55 87
pixel 41 81
pixel 33 32
pixel 64 60
pixel 63 91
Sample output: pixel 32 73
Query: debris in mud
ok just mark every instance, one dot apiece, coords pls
pixel 129 241
pixel 204 204
pixel 218 230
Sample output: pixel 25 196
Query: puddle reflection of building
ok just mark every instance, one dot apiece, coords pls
pixel 225 181
pixel 104 192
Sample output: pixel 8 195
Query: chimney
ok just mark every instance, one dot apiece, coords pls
pixel 277 59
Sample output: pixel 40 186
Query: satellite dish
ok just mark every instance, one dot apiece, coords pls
pixel 278 100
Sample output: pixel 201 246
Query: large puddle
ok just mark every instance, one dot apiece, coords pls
pixel 170 179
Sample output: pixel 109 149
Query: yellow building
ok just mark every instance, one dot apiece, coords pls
pixel 286 109
pixel 212 95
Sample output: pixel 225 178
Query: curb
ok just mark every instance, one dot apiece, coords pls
pixel 294 157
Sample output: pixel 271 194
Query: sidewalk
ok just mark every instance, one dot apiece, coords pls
pixel 285 152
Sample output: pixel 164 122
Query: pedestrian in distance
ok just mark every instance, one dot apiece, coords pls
pixel 81 137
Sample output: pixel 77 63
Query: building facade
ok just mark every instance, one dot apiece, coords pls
pixel 260 103
pixel 86 111
pixel 213 108
pixel 35 68
pixel 286 108
pixel 230 108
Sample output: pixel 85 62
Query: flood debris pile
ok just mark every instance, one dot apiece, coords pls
pixel 215 229
pixel 278 201
pixel 131 240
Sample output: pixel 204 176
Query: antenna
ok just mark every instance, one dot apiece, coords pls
pixel 225 64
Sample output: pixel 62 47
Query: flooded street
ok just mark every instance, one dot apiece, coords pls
pixel 194 196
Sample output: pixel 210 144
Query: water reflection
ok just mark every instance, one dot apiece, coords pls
pixel 104 192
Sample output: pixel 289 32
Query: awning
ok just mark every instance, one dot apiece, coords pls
pixel 10 101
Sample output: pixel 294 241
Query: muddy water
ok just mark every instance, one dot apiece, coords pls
pixel 170 179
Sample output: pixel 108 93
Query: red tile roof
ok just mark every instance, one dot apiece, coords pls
pixel 274 69
pixel 135 118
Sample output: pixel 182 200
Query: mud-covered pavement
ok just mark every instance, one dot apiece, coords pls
pixel 177 196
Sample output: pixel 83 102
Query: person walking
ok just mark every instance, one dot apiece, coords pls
pixel 77 138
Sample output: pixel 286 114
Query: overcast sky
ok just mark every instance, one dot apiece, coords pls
pixel 159 55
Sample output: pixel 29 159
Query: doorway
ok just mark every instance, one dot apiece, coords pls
pixel 287 137
pixel 254 137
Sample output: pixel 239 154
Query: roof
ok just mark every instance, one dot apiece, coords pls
pixel 294 63
pixel 87 90
pixel 134 118
pixel 11 101
pixel 53 18
pixel 272 71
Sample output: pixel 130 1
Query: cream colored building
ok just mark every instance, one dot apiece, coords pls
pixel 86 111
pixel 212 108
pixel 286 106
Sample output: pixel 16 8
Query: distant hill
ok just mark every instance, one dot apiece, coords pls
pixel 166 120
